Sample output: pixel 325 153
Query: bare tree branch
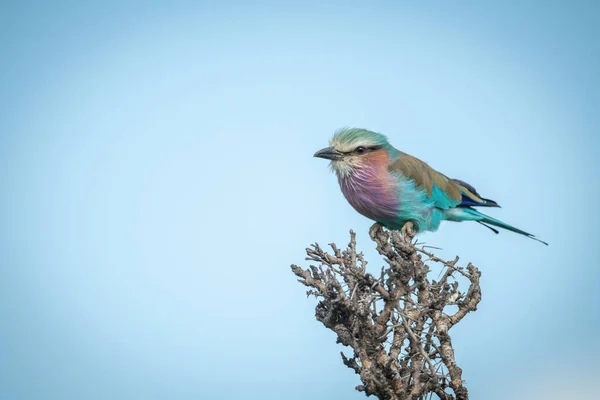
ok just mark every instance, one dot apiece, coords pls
pixel 397 324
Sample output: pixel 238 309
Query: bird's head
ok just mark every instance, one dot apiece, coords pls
pixel 352 148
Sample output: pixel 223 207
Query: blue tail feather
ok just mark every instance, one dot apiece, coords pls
pixel 486 219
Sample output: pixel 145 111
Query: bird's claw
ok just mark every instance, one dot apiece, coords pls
pixel 408 230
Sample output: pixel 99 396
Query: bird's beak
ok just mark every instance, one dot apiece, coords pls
pixel 329 153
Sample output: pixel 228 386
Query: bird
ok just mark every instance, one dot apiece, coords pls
pixel 400 191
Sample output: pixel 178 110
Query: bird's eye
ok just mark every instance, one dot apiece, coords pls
pixel 360 149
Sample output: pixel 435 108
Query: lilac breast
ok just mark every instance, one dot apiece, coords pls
pixel 371 194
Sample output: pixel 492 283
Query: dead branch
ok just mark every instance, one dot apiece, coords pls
pixel 397 324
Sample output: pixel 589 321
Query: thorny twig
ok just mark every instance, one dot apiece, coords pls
pixel 401 346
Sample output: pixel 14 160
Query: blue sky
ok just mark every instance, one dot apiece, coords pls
pixel 157 182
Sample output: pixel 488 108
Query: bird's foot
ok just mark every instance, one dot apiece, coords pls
pixel 375 228
pixel 408 231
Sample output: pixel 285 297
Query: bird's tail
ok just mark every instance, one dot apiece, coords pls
pixel 483 219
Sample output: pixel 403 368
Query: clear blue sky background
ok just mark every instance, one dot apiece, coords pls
pixel 157 181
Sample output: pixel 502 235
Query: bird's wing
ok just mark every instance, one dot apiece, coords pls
pixel 470 197
pixel 444 192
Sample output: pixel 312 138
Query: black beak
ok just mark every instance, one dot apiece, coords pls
pixel 329 153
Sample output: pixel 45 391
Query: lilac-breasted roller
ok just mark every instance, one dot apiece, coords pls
pixel 399 190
